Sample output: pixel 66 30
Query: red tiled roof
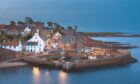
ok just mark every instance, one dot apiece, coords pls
pixel 10 43
pixel 14 28
pixel 2 26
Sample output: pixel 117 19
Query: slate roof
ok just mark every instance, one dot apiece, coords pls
pixel 32 43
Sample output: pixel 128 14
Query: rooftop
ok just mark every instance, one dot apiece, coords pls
pixel 32 43
pixel 10 43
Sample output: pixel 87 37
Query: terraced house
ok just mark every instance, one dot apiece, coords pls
pixel 15 46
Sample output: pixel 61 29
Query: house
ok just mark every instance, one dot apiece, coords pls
pixel 35 44
pixel 61 42
pixel 15 46
pixel 2 26
pixel 54 44
pixel 41 28
pixel 68 42
pixel 38 26
pixel 11 30
pixel 56 40
pixel 27 30
pixel 57 36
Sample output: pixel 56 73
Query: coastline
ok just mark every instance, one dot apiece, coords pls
pixel 109 34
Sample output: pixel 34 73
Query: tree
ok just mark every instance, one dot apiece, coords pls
pixel 58 29
pixel 24 38
pixel 12 23
pixel 70 27
pixel 56 25
pixel 29 21
pixel 50 24
pixel 20 23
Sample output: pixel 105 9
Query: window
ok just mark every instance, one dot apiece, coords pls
pixel 35 37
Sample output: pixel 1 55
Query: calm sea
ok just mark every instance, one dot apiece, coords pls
pixel 123 74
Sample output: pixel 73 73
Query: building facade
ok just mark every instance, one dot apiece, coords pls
pixel 15 46
pixel 35 44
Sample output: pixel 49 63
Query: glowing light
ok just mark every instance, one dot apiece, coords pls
pixel 62 77
pixel 36 75
pixel 36 71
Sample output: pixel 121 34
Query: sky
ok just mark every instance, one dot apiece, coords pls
pixel 88 15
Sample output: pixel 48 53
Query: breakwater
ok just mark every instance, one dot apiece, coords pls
pixel 101 62
pixel 75 65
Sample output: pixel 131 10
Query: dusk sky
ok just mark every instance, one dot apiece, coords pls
pixel 88 15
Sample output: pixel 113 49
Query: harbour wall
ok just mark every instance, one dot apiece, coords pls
pixel 76 65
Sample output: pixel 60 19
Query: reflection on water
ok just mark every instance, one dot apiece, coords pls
pixel 40 77
pixel 47 77
pixel 62 77
pixel 36 75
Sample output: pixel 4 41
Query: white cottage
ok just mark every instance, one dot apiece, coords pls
pixel 35 44
pixel 27 30
pixel 15 46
